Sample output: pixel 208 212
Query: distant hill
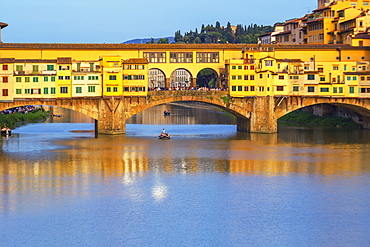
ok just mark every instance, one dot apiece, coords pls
pixel 146 40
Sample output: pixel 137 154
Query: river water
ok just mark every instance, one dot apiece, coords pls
pixel 207 186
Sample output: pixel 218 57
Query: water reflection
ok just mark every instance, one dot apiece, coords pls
pixel 252 188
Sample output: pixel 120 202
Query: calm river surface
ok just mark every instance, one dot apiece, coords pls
pixel 207 186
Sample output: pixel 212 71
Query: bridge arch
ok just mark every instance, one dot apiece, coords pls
pixel 181 78
pixel 356 108
pixel 207 77
pixel 157 78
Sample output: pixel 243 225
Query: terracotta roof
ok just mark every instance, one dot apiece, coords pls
pixel 362 36
pixel 358 73
pixel 316 20
pixel 64 60
pixel 289 60
pixel 2 25
pixel 282 33
pixel 135 61
pixel 35 61
pixel 7 60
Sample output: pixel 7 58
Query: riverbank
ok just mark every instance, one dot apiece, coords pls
pixel 302 117
pixel 17 119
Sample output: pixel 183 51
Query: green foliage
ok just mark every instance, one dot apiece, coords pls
pixel 217 34
pixel 303 117
pixel 16 119
pixel 206 77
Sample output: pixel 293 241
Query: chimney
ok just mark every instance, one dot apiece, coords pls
pixel 2 25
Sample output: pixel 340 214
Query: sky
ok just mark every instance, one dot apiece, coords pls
pixel 116 21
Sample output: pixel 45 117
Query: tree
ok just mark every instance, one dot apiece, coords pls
pixel 163 41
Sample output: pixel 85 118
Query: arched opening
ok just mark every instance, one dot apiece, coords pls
pixel 325 114
pixel 207 78
pixel 157 78
pixel 180 78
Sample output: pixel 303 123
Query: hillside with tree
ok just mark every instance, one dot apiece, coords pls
pixel 217 34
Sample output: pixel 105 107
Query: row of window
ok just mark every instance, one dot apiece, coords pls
pixel 310 89
pixel 182 57
pixel 125 89
pixel 90 78
pixel 246 67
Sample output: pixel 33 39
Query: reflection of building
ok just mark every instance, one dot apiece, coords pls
pixel 180 78
pixel 156 78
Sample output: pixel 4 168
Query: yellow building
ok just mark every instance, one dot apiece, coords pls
pixel 64 77
pixel 111 67
pixel 135 77
pixel 86 78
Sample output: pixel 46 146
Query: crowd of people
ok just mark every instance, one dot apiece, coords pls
pixel 20 109
pixel 186 88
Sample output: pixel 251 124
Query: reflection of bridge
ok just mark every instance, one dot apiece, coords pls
pixel 257 114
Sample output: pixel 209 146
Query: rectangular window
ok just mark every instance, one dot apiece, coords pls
pixel 233 88
pixel 108 89
pixel 181 57
pixel 5 92
pixel 78 89
pixel 324 89
pixel 60 77
pixel 67 77
pixel 281 77
pixel 322 78
pixel 46 90
pixel 18 91
pixel 245 67
pixel 311 89
pixel 239 77
pixel 268 63
pixel 246 77
pixel 240 67
pixel 354 78
pixel 207 57
pixel 18 79
pixel 252 67
pixel 115 89
pixel 26 79
pixel 340 89
pixel 52 90
pixel 252 88
pixel 233 77
pixel 335 90
pixel 126 89
pixel 19 68
pixel 112 77
pixel 240 88
pixel 35 79
pixel 5 79
pixel 348 78
pixel 91 89
pixel 46 78
pixel 246 88
pixel 27 91
pixel 35 68
pixel 351 89
pixel 252 78
pixel 261 89
pixel 52 78
pixel 233 67
pixel 335 68
pixel 155 57
pixel 310 77
pixel 63 89
pixel 50 67
pixel 5 67
pixel 295 88
pixel 279 88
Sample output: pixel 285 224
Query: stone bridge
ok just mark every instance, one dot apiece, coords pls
pixel 257 114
